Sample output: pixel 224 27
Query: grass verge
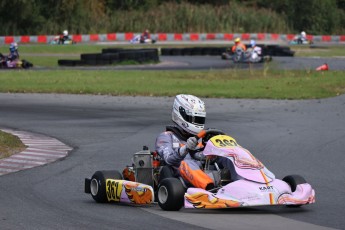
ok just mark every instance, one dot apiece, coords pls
pixel 272 84
pixel 318 51
pixel 9 144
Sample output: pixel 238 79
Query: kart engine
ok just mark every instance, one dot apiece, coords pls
pixel 143 167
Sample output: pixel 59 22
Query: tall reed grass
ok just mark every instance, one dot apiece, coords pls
pixel 188 18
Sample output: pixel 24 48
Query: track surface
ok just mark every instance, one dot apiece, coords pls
pixel 289 137
pixel 215 62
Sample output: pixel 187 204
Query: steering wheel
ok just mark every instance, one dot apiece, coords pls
pixel 207 134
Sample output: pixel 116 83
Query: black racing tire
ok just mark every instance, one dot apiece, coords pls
pixel 62 62
pixel 26 64
pixel 176 51
pixel 111 50
pixel 98 186
pixel 196 51
pixel 89 56
pixel 166 51
pixel 294 180
pixel 186 51
pixel 171 194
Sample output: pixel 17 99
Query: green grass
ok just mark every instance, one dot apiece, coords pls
pixel 326 51
pixel 9 144
pixel 272 84
pixel 265 83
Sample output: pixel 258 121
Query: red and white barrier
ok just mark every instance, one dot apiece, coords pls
pixel 122 37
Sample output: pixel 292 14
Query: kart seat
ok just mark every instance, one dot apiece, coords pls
pixel 225 176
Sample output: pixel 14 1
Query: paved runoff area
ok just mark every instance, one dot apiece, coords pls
pixel 40 150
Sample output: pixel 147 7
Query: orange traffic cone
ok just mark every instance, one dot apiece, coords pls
pixel 322 67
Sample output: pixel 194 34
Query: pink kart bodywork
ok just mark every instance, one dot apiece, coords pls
pixel 255 186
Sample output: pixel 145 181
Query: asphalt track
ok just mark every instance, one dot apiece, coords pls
pixel 215 62
pixel 289 136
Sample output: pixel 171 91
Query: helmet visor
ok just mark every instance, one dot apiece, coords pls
pixel 190 118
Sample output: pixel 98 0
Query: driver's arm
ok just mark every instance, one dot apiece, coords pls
pixel 168 148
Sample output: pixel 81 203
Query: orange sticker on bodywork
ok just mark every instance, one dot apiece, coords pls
pixel 202 200
pixel 138 194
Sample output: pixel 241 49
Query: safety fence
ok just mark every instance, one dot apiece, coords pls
pixel 123 37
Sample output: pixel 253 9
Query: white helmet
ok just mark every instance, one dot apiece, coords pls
pixel 13 46
pixel 189 113
pixel 303 34
pixel 65 32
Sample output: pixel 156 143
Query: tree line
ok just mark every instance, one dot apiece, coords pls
pixel 34 17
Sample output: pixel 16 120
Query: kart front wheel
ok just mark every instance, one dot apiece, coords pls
pixel 293 181
pixel 171 194
pixel 97 184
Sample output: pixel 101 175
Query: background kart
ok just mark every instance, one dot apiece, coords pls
pixel 241 56
pixel 14 64
pixel 298 40
pixel 139 39
pixel 254 185
pixel 56 41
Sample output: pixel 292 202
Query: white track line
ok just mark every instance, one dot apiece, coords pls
pixel 40 150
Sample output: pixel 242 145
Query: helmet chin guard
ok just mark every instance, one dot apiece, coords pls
pixel 189 113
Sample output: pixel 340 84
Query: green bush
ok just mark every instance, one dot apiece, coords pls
pixel 36 17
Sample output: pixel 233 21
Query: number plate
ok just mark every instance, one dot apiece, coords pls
pixel 114 189
pixel 223 141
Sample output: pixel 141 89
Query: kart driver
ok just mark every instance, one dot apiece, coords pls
pixel 175 143
pixel 145 37
pixel 64 37
pixel 256 52
pixel 13 56
pixel 303 37
pixel 238 45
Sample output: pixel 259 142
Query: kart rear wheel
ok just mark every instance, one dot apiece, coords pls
pixel 97 184
pixel 171 194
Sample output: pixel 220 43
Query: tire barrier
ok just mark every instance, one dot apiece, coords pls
pixel 111 56
pixel 271 50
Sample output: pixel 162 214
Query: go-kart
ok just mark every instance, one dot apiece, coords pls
pixel 140 39
pixel 298 40
pixel 147 179
pixel 58 40
pixel 241 56
pixel 8 64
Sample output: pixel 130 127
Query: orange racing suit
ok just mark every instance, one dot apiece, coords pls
pixel 168 144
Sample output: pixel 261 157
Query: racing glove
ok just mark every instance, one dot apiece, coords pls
pixel 191 144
